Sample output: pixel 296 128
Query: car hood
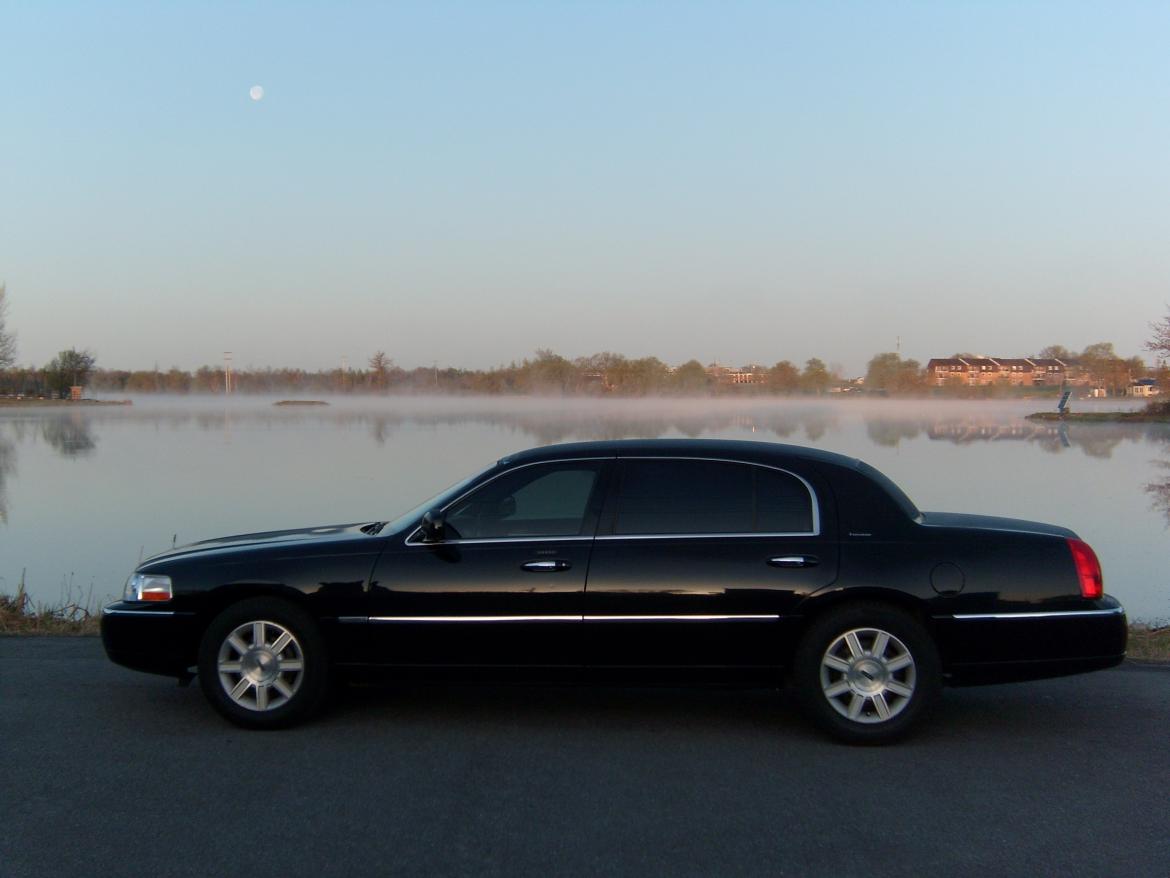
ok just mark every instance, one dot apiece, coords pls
pixel 993 522
pixel 308 535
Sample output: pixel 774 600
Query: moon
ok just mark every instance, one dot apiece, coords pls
pixel 256 92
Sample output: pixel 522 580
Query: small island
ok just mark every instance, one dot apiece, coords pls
pixel 300 402
pixel 1155 413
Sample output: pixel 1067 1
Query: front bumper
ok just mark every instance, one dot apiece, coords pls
pixel 152 639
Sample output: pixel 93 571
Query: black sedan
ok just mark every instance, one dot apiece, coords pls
pixel 681 560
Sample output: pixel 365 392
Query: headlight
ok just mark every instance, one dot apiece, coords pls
pixel 147 587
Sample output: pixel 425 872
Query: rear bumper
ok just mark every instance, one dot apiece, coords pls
pixel 152 640
pixel 1006 647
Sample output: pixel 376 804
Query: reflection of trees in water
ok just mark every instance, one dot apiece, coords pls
pixel 1160 490
pixel 7 467
pixel 888 433
pixel 70 435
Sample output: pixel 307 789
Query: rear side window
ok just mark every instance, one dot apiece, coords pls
pixel 709 497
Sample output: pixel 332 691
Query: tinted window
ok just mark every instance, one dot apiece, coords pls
pixel 539 500
pixel 699 496
pixel 783 504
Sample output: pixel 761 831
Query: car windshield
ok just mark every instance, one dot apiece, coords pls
pixel 440 499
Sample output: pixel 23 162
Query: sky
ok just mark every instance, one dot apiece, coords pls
pixel 467 182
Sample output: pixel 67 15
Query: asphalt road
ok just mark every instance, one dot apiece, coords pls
pixel 109 772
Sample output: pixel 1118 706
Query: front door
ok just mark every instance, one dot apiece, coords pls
pixel 505 587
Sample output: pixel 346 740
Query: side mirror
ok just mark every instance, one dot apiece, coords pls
pixel 433 525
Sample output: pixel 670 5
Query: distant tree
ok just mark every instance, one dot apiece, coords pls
pixel 642 376
pixel 1102 350
pixel 783 378
pixel 815 378
pixel 7 339
pixel 1102 365
pixel 1055 352
pixel 550 372
pixel 380 370
pixel 1159 343
pixel 891 373
pixel 68 369
pixel 691 377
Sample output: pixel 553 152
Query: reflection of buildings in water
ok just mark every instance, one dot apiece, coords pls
pixel 961 431
pixel 1095 440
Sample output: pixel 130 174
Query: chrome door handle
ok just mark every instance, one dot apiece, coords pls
pixel 794 561
pixel 545 566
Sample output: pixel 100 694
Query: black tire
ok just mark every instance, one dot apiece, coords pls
pixel 866 673
pixel 263 664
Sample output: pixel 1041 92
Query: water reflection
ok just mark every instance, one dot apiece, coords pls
pixel 204 469
pixel 70 435
pixel 7 467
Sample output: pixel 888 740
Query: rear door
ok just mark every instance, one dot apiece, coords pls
pixel 698 561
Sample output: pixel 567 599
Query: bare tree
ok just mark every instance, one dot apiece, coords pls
pixel 380 366
pixel 7 339
pixel 1159 344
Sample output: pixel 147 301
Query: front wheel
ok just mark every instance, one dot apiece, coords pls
pixel 867 673
pixel 262 664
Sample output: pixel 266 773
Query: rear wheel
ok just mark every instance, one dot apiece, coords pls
pixel 867 673
pixel 262 664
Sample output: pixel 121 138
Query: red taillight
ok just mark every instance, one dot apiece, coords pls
pixel 1088 569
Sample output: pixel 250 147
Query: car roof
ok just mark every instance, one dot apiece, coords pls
pixel 762 452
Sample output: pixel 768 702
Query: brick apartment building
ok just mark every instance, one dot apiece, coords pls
pixel 1017 372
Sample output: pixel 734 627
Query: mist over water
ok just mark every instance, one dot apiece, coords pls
pixel 84 493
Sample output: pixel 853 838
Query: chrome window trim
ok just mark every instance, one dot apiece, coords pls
pixel 812 496
pixel 482 541
pixel 966 617
pixel 531 539
pixel 735 617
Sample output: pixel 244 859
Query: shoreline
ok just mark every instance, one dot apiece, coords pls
pixel 61 403
pixel 1115 417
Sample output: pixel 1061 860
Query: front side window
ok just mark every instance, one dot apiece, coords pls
pixel 710 497
pixel 542 500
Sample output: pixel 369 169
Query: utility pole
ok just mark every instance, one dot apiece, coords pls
pixel 227 373
pixel 898 345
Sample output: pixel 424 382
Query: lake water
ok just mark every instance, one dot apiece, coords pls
pixel 84 493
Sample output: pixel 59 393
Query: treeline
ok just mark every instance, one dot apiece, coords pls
pixel 549 373
pixel 545 373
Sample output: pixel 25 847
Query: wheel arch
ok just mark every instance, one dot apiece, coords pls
pixel 220 598
pixel 816 606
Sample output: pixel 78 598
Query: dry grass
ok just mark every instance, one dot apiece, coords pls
pixel 19 615
pixel 1148 644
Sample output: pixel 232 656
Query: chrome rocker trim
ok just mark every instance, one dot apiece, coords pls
pixel 591 618
pixel 1116 611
